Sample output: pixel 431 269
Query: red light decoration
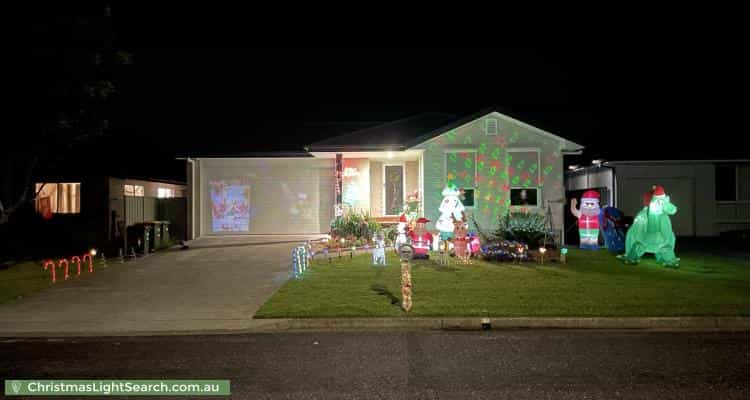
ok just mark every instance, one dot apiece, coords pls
pixel 77 260
pixel 91 261
pixel 51 263
pixel 59 264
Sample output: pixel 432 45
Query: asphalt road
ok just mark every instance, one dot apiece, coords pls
pixel 531 364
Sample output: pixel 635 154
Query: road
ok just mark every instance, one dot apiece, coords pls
pixel 533 364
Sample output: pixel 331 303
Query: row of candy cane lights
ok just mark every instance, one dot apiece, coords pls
pixel 75 259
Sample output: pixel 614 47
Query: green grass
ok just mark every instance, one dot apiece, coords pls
pixel 590 284
pixel 23 279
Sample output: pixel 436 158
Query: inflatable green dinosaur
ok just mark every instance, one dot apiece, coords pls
pixel 652 231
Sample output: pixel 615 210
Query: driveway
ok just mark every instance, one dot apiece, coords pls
pixel 216 285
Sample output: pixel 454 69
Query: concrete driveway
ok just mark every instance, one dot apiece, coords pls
pixel 218 284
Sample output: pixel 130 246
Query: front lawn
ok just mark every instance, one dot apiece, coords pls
pixel 590 284
pixel 22 279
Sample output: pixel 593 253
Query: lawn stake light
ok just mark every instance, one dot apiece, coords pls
pixel 59 264
pixel 406 253
pixel 50 263
pixel 542 250
pixel 563 252
pixel 102 260
pixel 91 261
pixel 77 260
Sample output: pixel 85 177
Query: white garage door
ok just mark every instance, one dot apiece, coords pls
pixel 679 190
pixel 266 196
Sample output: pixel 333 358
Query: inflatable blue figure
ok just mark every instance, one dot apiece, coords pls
pixel 613 229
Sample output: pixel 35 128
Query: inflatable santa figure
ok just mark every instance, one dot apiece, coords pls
pixel 421 239
pixel 588 219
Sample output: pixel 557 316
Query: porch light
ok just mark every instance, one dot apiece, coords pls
pixel 390 154
pixel 573 167
pixel 92 252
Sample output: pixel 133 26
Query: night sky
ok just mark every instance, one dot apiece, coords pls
pixel 633 100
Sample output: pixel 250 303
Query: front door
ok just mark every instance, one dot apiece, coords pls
pixel 393 193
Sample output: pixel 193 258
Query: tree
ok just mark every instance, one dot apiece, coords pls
pixel 74 83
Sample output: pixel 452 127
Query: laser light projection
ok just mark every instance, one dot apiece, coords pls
pixel 230 206
pixel 652 230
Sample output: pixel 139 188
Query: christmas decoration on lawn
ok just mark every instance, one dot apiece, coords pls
pixel 401 238
pixel 405 284
pixel 77 260
pixel 652 230
pixel 588 219
pixel 506 251
pixel 91 261
pixel 613 229
pixel 461 241
pixel 378 253
pixel 450 209
pixel 421 239
pixel 49 264
pixel 60 263
pixel 475 245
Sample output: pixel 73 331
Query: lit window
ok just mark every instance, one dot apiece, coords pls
pixel 133 190
pixel 58 198
pixel 528 197
pixel 163 193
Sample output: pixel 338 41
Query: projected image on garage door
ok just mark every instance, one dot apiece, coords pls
pixel 230 206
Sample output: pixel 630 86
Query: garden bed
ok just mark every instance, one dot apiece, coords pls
pixel 589 284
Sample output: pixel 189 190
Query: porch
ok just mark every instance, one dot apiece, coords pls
pixel 380 183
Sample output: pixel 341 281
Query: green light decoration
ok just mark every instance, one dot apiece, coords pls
pixel 482 148
pixel 495 153
pixel 467 140
pixel 514 137
pixel 651 231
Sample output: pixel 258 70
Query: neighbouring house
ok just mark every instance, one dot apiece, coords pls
pixel 80 211
pixel 499 162
pixel 712 196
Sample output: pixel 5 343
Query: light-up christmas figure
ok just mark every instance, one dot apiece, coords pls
pixel 450 208
pixel 421 239
pixel 652 230
pixel 401 238
pixel 588 219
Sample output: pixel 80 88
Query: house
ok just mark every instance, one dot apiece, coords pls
pixel 91 210
pixel 712 196
pixel 499 162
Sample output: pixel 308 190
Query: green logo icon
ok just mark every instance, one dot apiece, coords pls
pixel 16 386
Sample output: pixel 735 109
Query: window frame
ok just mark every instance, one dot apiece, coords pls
pixel 536 186
pixel 474 181
pixel 134 191
pixel 58 188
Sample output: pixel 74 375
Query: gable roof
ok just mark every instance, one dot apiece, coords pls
pixel 395 135
pixel 409 132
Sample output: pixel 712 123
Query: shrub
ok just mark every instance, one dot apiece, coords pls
pixel 526 227
pixel 354 225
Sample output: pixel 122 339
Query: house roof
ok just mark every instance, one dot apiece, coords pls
pixel 395 135
pixel 409 132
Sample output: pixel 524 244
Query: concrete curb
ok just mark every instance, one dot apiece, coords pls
pixel 475 323
pixel 723 324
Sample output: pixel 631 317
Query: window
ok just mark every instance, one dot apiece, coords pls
pixel 134 190
pixel 58 198
pixel 163 193
pixel 461 170
pixel 468 198
pixel 726 182
pixel 490 126
pixel 528 197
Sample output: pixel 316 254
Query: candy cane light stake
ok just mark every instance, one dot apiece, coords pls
pixel 91 262
pixel 59 264
pixel 77 260
pixel 50 263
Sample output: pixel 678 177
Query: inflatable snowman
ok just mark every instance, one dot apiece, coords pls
pixel 450 208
